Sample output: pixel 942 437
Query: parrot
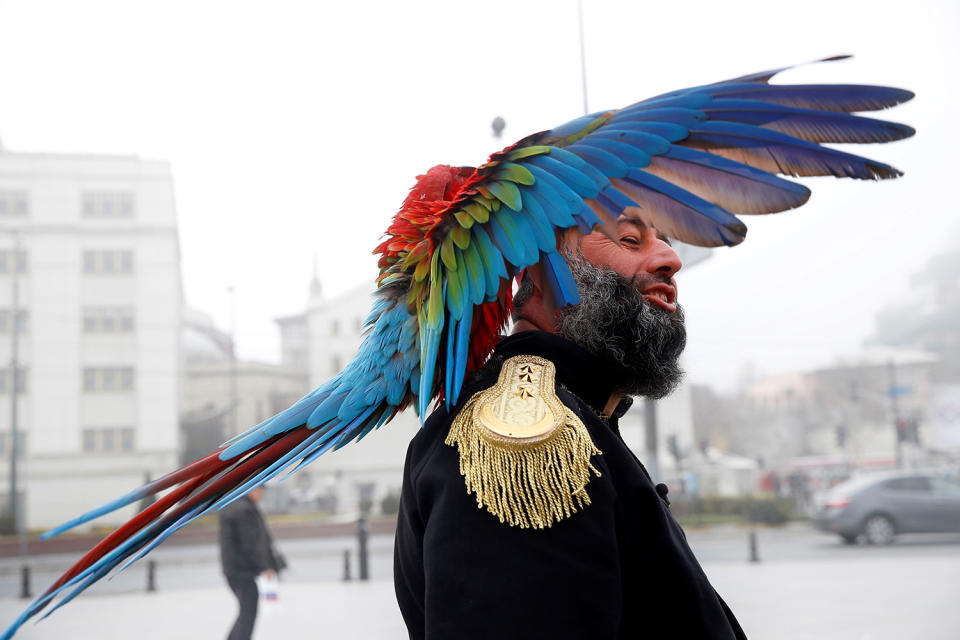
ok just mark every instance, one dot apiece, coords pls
pixel 687 162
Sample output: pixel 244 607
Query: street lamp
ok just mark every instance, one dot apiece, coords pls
pixel 16 504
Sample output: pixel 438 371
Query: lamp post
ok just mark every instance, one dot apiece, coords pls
pixel 232 428
pixel 16 503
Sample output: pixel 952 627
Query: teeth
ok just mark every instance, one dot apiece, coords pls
pixel 659 295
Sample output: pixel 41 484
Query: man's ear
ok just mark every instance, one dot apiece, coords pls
pixel 539 280
pixel 569 241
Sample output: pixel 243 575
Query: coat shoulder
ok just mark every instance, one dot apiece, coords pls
pixel 523 453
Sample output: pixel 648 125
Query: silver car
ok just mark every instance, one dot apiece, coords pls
pixel 880 506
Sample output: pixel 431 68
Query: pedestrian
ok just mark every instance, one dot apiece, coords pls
pixel 247 551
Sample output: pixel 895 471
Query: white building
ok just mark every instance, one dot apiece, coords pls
pixel 222 396
pixel 92 243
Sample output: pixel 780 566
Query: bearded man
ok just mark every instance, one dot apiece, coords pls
pixel 561 532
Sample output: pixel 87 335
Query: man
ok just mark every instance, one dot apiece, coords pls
pixel 246 551
pixel 603 560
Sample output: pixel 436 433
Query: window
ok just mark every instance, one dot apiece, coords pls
pixel 22 320
pixel 106 320
pixel 6 380
pixel 108 262
pixel 107 440
pixel 944 487
pixel 107 205
pixel 14 203
pixel 908 484
pixel 334 327
pixel 11 259
pixel 97 379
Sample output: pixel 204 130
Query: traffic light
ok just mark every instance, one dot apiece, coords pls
pixel 908 430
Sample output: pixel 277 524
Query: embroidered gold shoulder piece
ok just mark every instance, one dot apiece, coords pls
pixel 523 453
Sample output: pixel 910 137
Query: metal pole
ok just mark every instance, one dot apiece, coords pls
pixel 346 565
pixel 895 406
pixel 151 575
pixel 754 554
pixel 583 57
pixel 232 427
pixel 16 503
pixel 651 437
pixel 363 533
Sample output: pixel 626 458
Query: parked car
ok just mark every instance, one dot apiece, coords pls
pixel 880 506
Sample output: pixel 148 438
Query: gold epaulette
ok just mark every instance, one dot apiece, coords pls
pixel 523 453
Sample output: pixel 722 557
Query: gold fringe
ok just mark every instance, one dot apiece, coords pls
pixel 530 482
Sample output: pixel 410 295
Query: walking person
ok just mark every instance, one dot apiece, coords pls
pixel 246 551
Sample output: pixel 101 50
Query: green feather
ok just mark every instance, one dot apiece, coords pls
pixel 526 152
pixel 435 302
pixel 446 253
pixel 478 212
pixel 473 265
pixel 416 288
pixel 423 268
pixel 418 253
pixel 434 267
pixel 507 193
pixel 515 173
pixel 465 219
pixel 455 292
pixel 461 236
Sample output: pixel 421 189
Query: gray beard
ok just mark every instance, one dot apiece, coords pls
pixel 615 322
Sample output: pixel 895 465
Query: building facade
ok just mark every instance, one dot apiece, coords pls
pixel 222 396
pixel 326 336
pixel 90 245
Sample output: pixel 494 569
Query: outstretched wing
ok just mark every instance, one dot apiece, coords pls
pixel 687 162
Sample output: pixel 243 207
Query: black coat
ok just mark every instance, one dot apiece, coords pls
pixel 618 568
pixel 246 547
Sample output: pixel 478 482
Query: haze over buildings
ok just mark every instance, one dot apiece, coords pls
pixel 91 242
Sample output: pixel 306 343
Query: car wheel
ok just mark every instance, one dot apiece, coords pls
pixel 879 530
pixel 848 538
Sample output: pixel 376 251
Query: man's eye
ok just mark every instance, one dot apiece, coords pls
pixel 630 240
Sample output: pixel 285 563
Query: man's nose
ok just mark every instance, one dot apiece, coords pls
pixel 662 259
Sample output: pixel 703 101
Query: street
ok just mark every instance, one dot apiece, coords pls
pixel 806 585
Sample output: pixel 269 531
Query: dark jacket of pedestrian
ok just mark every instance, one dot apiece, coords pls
pixel 246 547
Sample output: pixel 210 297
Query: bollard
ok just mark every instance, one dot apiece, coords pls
pixel 25 581
pixel 363 533
pixel 346 565
pixel 754 555
pixel 151 575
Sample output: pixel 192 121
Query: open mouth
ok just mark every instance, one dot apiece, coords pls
pixel 662 296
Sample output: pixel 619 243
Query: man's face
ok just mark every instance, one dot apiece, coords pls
pixel 628 312
pixel 643 256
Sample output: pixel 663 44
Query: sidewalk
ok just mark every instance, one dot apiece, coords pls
pixel 865 598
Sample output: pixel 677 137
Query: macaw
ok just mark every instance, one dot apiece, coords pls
pixel 686 162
